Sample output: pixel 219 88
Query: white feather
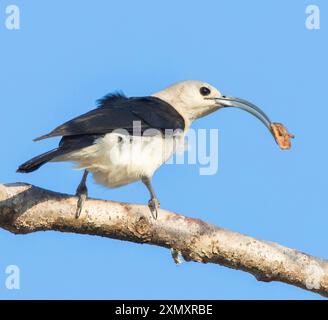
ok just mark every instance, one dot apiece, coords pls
pixel 118 159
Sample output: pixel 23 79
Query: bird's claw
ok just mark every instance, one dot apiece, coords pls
pixel 82 194
pixel 154 205
pixel 80 203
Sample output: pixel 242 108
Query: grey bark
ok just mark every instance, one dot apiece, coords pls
pixel 25 209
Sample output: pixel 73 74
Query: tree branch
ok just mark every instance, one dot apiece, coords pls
pixel 25 209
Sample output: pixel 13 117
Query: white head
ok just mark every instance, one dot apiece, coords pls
pixel 194 99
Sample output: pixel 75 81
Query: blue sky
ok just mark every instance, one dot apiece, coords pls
pixel 67 54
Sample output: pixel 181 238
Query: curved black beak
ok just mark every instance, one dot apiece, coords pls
pixel 226 102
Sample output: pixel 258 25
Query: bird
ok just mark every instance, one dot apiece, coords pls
pixel 126 139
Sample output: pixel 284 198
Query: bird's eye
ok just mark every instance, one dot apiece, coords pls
pixel 204 91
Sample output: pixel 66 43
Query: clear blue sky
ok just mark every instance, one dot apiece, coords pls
pixel 69 53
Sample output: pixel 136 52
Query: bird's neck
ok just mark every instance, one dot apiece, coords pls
pixel 177 104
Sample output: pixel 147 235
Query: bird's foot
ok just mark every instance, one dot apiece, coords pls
pixel 154 205
pixel 82 194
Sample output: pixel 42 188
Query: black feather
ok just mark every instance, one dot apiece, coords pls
pixel 66 145
pixel 111 99
pixel 38 161
pixel 152 112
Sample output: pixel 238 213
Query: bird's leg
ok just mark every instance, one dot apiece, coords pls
pixel 153 203
pixel 82 193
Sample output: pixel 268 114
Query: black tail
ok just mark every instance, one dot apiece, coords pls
pixel 36 162
pixel 66 145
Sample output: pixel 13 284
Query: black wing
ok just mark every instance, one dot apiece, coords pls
pixel 116 111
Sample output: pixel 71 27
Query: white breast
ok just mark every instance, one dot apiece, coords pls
pixel 118 159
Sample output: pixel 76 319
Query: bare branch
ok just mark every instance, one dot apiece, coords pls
pixel 25 208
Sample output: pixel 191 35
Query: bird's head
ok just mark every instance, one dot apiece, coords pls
pixel 194 99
